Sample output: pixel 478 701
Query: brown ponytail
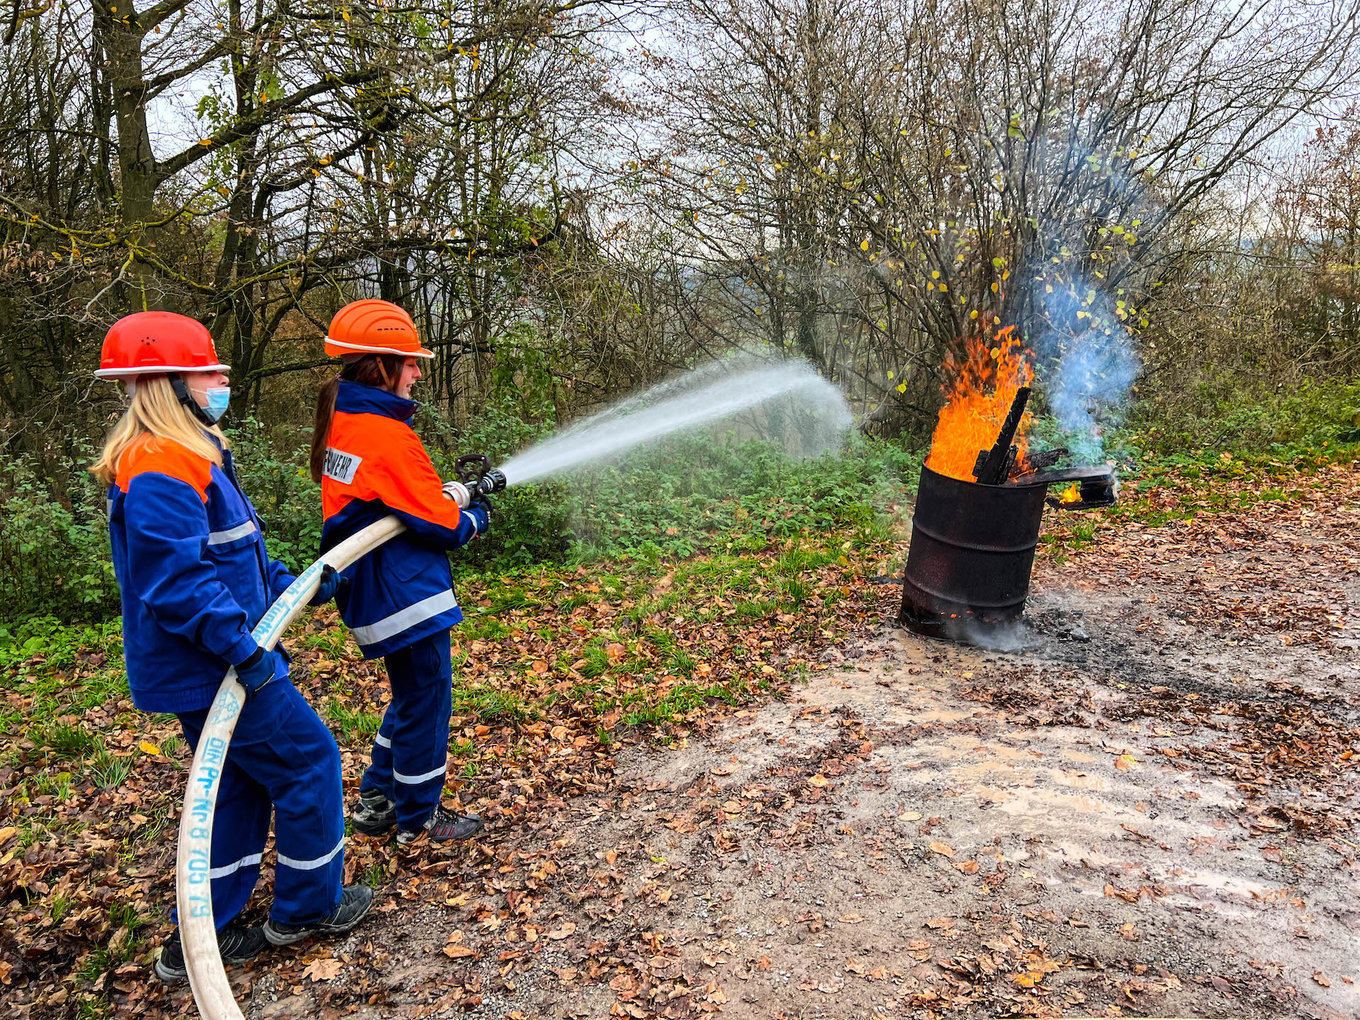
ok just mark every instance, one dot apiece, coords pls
pixel 380 371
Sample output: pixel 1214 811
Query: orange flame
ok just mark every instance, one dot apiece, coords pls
pixel 1071 494
pixel 979 396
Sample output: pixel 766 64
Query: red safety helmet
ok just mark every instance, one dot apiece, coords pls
pixel 152 343
pixel 373 326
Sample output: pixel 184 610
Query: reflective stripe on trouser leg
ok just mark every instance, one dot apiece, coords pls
pixel 421 675
pixel 378 775
pixel 240 828
pixel 287 748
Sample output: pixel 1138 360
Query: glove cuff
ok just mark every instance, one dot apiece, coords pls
pixel 251 660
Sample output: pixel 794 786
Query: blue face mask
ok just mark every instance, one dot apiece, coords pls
pixel 218 396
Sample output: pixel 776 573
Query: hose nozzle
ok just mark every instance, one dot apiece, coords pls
pixel 476 477
pixel 492 480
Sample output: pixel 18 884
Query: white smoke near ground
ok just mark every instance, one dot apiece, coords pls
pixel 1007 636
pixel 785 402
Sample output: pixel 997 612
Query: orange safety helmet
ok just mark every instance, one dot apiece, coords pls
pixel 373 326
pixel 153 343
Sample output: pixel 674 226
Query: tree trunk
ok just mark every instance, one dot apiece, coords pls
pixel 120 35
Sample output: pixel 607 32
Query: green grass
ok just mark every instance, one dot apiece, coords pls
pixel 681 662
pixel 68 740
pixel 356 724
pixel 679 702
pixel 54 784
pixel 482 625
pixel 492 703
pixel 334 641
pixel 107 771
pixel 796 592
pixel 158 825
pixel 59 907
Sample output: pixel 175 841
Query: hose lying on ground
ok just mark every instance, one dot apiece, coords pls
pixel 193 862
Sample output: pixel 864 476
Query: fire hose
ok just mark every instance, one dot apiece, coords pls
pixel 193 859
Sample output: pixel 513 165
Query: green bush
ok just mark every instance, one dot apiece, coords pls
pixel 689 494
pixel 54 557
pixel 527 526
pixel 1310 420
pixel 694 493
pixel 272 467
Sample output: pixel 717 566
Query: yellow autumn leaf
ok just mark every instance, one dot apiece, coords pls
pixel 149 747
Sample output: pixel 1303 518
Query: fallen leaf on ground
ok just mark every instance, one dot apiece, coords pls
pixel 323 970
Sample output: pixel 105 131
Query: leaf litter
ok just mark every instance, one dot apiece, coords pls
pixel 678 826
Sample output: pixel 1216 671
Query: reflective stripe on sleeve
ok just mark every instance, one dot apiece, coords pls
pixel 231 534
pixel 235 866
pixel 403 619
pixel 312 865
pixel 416 780
pixel 382 741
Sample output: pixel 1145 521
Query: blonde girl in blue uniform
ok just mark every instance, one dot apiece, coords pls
pixel 194 578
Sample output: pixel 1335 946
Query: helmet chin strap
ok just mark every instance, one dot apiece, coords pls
pixel 183 395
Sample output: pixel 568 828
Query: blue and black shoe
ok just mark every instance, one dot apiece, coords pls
pixel 355 903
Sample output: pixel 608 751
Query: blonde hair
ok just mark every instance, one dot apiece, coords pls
pixel 156 411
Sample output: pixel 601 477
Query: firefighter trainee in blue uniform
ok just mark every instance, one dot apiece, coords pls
pixel 194 578
pixel 399 601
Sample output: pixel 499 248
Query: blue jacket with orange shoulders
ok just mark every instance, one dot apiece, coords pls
pixel 377 466
pixel 193 573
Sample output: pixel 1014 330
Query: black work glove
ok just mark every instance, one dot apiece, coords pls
pixel 331 583
pixel 256 672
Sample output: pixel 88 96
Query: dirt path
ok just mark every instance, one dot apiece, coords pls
pixel 1147 807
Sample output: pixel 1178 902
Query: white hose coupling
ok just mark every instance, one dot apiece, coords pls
pixel 459 493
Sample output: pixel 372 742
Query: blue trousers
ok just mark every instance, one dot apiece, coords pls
pixel 283 759
pixel 411 750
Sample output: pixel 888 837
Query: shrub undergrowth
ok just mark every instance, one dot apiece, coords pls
pixel 683 496
pixel 688 495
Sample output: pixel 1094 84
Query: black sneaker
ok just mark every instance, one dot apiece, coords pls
pixel 236 943
pixel 375 813
pixel 443 826
pixel 355 902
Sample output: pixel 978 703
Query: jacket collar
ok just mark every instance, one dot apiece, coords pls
pixel 356 398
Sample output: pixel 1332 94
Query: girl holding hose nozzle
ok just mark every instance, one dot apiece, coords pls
pixel 194 578
pixel 399 600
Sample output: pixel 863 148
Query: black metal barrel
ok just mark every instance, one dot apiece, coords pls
pixel 972 548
